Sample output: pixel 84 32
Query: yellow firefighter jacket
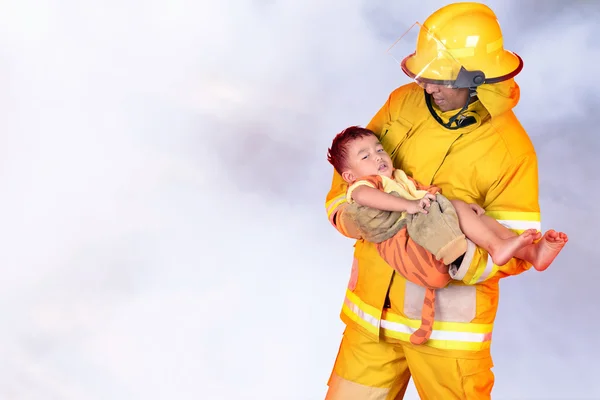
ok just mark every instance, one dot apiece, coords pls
pixel 491 163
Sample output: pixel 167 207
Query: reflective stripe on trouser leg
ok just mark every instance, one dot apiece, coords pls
pixel 342 389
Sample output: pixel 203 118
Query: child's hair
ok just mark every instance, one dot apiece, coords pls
pixel 337 155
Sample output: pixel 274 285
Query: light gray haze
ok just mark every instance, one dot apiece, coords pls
pixel 163 176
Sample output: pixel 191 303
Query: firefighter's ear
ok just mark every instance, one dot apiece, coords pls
pixel 348 176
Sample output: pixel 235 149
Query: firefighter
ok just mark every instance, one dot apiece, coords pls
pixel 453 127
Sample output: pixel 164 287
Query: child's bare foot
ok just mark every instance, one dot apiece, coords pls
pixel 505 250
pixel 548 248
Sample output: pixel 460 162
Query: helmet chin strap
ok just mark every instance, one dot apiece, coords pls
pixel 458 119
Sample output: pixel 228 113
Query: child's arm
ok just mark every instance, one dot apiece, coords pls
pixel 375 198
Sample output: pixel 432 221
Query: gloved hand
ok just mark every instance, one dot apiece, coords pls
pixel 438 231
pixel 376 226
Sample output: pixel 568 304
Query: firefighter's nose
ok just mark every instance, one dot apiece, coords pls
pixel 431 88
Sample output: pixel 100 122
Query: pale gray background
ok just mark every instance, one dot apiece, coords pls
pixel 163 175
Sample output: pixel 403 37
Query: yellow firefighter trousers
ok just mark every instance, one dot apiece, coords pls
pixel 366 370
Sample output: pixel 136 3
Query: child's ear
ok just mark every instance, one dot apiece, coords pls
pixel 348 176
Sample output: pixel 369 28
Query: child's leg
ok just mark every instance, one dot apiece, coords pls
pixel 499 229
pixel 500 242
pixel 540 254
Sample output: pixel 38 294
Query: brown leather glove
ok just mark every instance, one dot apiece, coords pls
pixel 375 226
pixel 438 231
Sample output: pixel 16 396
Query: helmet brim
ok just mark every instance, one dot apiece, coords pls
pixel 506 65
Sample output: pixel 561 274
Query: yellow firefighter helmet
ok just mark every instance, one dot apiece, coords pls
pixel 461 45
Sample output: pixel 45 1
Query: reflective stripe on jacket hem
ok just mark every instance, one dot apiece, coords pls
pixel 445 335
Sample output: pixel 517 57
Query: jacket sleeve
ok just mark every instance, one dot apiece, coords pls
pixel 513 201
pixel 335 204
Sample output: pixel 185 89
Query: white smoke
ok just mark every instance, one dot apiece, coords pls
pixel 163 175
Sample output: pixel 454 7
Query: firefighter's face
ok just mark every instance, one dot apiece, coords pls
pixel 447 98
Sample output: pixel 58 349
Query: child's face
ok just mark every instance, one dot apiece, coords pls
pixel 366 156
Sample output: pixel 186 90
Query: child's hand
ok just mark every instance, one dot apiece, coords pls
pixel 422 205
pixel 478 209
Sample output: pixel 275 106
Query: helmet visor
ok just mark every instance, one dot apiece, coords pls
pixel 432 62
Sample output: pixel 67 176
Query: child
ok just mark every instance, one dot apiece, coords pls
pixel 360 159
